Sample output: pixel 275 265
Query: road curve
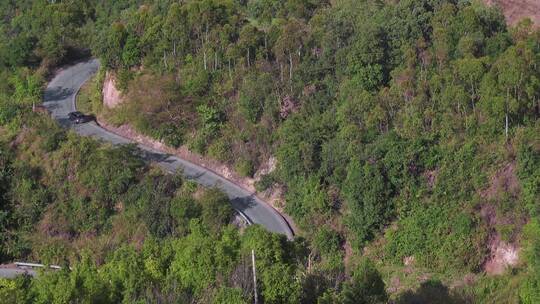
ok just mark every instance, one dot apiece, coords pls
pixel 59 99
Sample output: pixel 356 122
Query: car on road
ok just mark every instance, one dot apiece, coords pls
pixel 78 117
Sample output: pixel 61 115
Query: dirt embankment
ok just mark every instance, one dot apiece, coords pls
pixel 112 97
pixel 516 10
pixel 503 254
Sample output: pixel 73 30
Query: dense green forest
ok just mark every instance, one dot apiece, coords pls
pixel 407 138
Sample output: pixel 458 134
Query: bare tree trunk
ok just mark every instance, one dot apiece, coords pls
pixel 248 55
pixel 265 46
pixel 230 75
pixel 254 277
pixel 309 263
pixel 506 114
pixel 281 71
pixel 290 67
pixel 204 59
pixel 506 126
pixel 473 95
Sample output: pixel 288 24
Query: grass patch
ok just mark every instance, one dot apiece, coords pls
pixel 84 98
pixel 89 99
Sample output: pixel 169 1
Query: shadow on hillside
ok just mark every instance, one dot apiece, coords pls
pixel 432 292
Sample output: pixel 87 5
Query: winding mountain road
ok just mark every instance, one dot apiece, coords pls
pixel 59 99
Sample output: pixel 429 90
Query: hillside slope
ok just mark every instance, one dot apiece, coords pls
pixel 516 10
pixel 405 133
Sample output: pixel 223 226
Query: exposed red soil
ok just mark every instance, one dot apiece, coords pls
pixel 502 255
pixel 516 10
pixel 112 97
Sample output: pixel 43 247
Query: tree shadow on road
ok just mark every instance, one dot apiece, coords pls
pixel 243 203
pixel 153 156
pixel 56 94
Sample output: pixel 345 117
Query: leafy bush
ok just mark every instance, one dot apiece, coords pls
pixel 366 286
pixel 198 143
pixel 124 76
pixel 8 111
pixel 327 241
pixel 216 210
pixel 529 291
pixel 220 149
pixel 255 93
pixel 171 134
pixel 367 194
pixel 438 237
pixel 244 167
pixel 266 181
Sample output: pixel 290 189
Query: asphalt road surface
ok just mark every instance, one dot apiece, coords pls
pixel 11 273
pixel 59 99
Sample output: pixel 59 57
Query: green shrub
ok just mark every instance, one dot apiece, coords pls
pixel 216 209
pixel 365 286
pixel 52 142
pixel 195 81
pixel 124 76
pixel 211 119
pixel 368 195
pixel 228 295
pixel 254 93
pixel 198 143
pixel 244 167
pixel 266 181
pixel 220 149
pixel 438 237
pixel 528 166
pixel 327 241
pixel 530 289
pixel 8 111
pixel 171 134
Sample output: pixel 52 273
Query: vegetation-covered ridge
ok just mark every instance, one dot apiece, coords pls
pixel 405 132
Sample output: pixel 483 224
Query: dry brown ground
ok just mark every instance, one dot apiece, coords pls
pixel 515 10
pixel 502 254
